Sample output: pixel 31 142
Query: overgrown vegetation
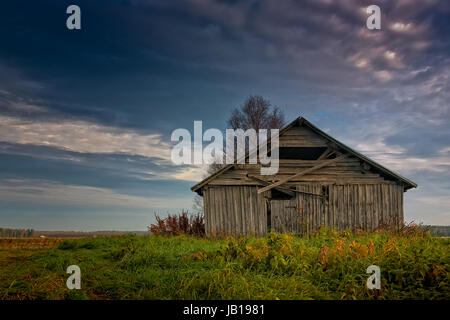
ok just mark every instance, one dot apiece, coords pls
pixel 182 224
pixel 327 265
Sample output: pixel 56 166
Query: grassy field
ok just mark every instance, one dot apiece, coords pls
pixel 328 265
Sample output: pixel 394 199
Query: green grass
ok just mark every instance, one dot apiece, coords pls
pixel 328 265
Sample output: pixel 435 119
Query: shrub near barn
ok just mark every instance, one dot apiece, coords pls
pixel 175 225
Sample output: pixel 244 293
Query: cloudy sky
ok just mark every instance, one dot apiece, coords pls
pixel 86 115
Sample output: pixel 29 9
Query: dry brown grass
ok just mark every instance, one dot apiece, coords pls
pixel 29 243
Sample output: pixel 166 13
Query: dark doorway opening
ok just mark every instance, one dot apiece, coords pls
pixel 301 153
pixel 278 195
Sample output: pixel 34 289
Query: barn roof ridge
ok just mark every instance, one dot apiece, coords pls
pixel 300 121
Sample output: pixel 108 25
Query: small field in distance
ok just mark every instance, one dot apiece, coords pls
pixel 329 265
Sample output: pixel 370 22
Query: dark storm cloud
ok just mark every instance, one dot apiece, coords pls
pixel 159 54
pixel 141 69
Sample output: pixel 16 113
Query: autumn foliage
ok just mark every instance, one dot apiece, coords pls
pixel 182 224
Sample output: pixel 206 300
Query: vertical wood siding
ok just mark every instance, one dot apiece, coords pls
pixel 240 210
pixel 365 207
pixel 234 210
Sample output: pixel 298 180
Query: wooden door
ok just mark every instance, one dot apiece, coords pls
pixel 302 214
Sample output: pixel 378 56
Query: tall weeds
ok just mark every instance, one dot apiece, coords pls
pixel 182 224
pixel 413 264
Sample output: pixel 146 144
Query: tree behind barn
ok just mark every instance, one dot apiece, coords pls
pixel 255 113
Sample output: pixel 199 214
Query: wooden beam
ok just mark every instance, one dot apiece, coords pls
pixel 264 182
pixel 325 154
pixel 291 191
pixel 309 193
pixel 301 173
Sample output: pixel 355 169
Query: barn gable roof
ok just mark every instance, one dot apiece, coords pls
pixel 305 123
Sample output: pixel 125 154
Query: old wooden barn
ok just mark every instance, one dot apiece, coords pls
pixel 320 182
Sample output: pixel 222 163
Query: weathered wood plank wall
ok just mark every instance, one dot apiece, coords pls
pixel 301 137
pixel 345 171
pixel 234 210
pixel 357 206
pixel 240 210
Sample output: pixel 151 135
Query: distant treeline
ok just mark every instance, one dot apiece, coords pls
pixel 17 233
pixel 84 234
pixel 439 231
pixel 30 233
